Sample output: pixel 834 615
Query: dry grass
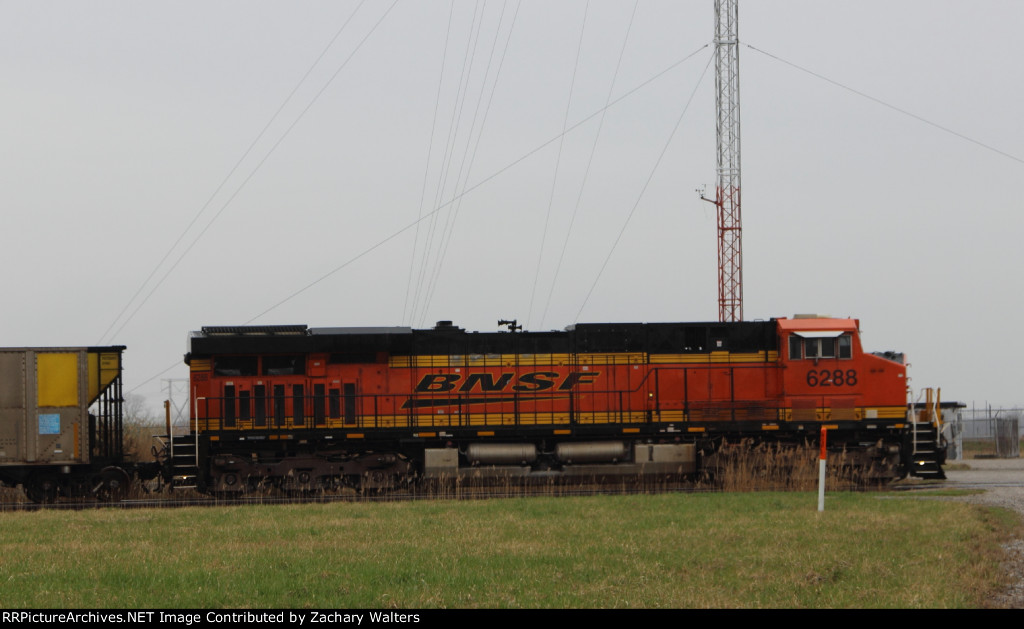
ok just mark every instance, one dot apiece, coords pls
pixel 138 441
pixel 746 466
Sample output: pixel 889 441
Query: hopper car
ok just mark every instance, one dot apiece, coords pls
pixel 61 423
pixel 376 408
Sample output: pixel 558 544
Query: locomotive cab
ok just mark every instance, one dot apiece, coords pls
pixel 829 377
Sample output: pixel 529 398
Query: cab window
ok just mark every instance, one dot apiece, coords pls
pixel 846 346
pixel 813 348
pixel 795 347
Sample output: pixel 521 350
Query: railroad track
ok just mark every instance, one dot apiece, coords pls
pixel 975 479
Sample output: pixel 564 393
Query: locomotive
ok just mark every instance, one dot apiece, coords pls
pixel 376 408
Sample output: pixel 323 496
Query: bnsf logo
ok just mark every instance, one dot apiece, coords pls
pixel 530 382
pixel 477 383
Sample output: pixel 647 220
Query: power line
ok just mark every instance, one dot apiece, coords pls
pixel 586 171
pixel 252 173
pixel 467 166
pixel 643 190
pixel 449 219
pixel 478 184
pixel 889 105
pixel 558 162
pixel 426 168
pixel 458 196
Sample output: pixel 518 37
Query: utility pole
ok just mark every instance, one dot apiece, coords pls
pixel 727 193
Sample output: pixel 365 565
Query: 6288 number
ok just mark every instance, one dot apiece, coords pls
pixel 831 378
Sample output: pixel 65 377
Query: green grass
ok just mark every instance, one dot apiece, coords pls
pixel 667 551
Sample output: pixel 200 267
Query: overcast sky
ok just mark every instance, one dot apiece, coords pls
pixel 165 166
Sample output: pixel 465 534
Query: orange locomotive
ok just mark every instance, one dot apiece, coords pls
pixel 375 408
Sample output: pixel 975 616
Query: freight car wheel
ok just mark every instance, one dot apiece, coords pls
pixel 42 488
pixel 111 484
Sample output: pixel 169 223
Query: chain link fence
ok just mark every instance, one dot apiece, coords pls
pixel 986 432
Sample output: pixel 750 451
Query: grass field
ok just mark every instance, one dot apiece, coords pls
pixel 666 551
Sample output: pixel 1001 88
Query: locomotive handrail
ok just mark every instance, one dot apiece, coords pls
pixel 622 407
pixel 384 411
pixel 641 400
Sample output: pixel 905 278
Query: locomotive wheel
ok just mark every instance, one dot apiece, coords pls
pixel 42 488
pixel 111 484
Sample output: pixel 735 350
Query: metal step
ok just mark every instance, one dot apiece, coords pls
pixel 926 460
pixel 183 465
pixel 185 477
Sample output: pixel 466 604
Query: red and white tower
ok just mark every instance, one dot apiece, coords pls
pixel 727 193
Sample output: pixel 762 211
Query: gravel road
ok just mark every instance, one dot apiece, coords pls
pixel 1003 481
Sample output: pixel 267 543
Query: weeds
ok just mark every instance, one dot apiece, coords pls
pixel 748 466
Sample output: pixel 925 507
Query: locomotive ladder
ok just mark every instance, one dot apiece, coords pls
pixel 926 460
pixel 927 451
pixel 183 464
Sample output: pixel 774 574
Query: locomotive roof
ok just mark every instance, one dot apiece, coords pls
pixel 445 338
pixel 818 324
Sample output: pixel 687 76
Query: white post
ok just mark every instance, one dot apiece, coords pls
pixel 821 472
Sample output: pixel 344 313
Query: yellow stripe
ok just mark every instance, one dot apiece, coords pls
pixel 611 358
pixel 769 427
pixel 630 430
pixel 485 433
pixel 670 416
pixel 563 432
pixel 715 357
pixel 892 412
pixel 481 360
pixel 591 358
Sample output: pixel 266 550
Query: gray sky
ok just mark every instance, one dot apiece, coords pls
pixel 122 120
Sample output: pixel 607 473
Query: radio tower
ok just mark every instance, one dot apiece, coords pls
pixel 727 193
